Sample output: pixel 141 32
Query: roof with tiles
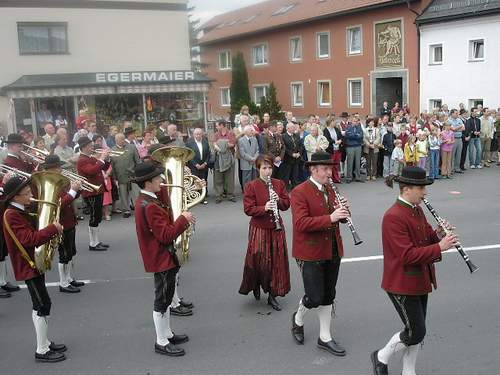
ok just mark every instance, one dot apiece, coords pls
pixel 447 10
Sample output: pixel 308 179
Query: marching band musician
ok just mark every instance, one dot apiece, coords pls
pixel 273 144
pixel 318 248
pixel 411 247
pixel 156 233
pixel 67 247
pixel 21 237
pixel 266 262
pixel 91 167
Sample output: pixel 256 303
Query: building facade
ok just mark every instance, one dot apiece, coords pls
pixel 323 56
pixel 108 60
pixel 460 54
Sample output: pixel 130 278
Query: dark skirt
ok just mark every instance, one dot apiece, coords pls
pixel 266 262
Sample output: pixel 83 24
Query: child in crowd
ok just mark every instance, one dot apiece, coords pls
pixel 435 147
pixel 422 148
pixel 397 158
pixel 447 140
pixel 411 157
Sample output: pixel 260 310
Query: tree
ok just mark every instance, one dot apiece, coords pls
pixel 269 104
pixel 239 91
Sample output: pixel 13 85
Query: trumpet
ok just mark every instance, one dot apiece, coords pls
pixel 4 169
pixel 36 150
pixel 111 152
pixel 350 224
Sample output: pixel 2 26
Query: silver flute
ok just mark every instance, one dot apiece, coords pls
pixel 274 198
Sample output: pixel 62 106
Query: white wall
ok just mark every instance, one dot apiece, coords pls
pixel 100 40
pixel 457 80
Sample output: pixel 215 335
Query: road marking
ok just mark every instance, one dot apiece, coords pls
pixel 345 260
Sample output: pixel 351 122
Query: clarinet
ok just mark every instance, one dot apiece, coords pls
pixel 272 197
pixel 350 224
pixel 472 267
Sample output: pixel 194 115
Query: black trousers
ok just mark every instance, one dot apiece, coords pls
pixel 95 206
pixel 39 295
pixel 67 247
pixel 290 173
pixel 320 281
pixel 164 289
pixel 412 310
pixel 463 157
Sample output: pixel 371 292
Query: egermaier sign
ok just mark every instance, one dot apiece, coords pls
pixel 388 45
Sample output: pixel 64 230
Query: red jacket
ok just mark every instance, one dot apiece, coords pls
pixel 410 251
pixel 18 163
pixel 313 231
pixel 255 198
pixel 23 226
pixel 155 231
pixel 92 168
pixel 67 216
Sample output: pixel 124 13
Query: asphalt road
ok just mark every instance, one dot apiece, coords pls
pixel 109 330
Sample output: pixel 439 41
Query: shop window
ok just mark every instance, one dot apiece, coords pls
pixel 296 49
pixel 354 40
pixel 355 92
pixel 260 54
pixel 435 104
pixel 225 60
pixel 260 91
pixel 225 97
pixel 42 38
pixel 473 103
pixel 476 50
pixel 436 54
pixel 324 94
pixel 297 94
pixel 323 45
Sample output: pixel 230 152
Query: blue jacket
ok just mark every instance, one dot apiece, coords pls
pixel 354 136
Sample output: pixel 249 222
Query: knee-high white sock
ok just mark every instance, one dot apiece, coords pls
pixel 71 270
pixel 63 275
pixel 41 329
pixel 168 331
pixel 3 273
pixel 410 359
pixel 394 345
pixel 325 321
pixel 175 299
pixel 161 323
pixel 96 235
pixel 92 241
pixel 301 313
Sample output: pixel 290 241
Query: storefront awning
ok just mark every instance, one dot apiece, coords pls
pixel 106 83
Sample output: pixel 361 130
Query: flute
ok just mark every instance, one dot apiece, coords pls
pixel 472 267
pixel 276 213
pixel 355 236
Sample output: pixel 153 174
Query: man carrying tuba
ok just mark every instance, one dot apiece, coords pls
pixel 21 237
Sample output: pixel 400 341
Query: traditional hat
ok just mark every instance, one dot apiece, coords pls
pixel 52 161
pixel 413 176
pixel 319 158
pixel 128 131
pixel 83 141
pixel 165 140
pixel 159 121
pixel 14 186
pixel 14 138
pixel 146 171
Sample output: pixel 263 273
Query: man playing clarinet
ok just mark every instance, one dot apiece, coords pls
pixel 317 247
pixel 411 247
pixel 156 233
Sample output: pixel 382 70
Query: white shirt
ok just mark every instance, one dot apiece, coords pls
pixel 408 203
pixel 17 205
pixel 200 147
pixel 320 188
pixel 152 195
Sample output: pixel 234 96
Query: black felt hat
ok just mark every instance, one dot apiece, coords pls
pixel 83 141
pixel 14 138
pixel 413 176
pixel 128 131
pixel 165 140
pixel 14 186
pixel 146 171
pixel 52 161
pixel 319 158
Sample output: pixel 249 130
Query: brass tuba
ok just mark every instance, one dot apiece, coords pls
pixel 49 186
pixel 185 189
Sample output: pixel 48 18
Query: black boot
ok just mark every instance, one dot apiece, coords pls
pixel 297 331
pixel 271 300
pixel 256 293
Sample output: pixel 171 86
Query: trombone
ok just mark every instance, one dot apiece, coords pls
pixel 35 154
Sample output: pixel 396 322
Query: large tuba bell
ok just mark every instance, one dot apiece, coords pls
pixel 185 189
pixel 49 186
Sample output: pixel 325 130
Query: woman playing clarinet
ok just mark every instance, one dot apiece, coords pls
pixel 266 262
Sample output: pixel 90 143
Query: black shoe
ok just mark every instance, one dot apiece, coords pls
pixel 180 311
pixel 4 294
pixel 218 200
pixel 297 331
pixel 102 244
pixel 348 181
pixel 97 248
pixel 256 294
pixel 50 356
pixel 459 171
pixel 60 348
pixel 332 347
pixel 186 304
pixel 379 368
pixel 273 303
pixel 77 284
pixel 8 287
pixel 126 214
pixel 178 339
pixel 360 180
pixel 232 199
pixel 69 289
pixel 170 350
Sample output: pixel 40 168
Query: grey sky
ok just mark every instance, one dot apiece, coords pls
pixel 206 9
